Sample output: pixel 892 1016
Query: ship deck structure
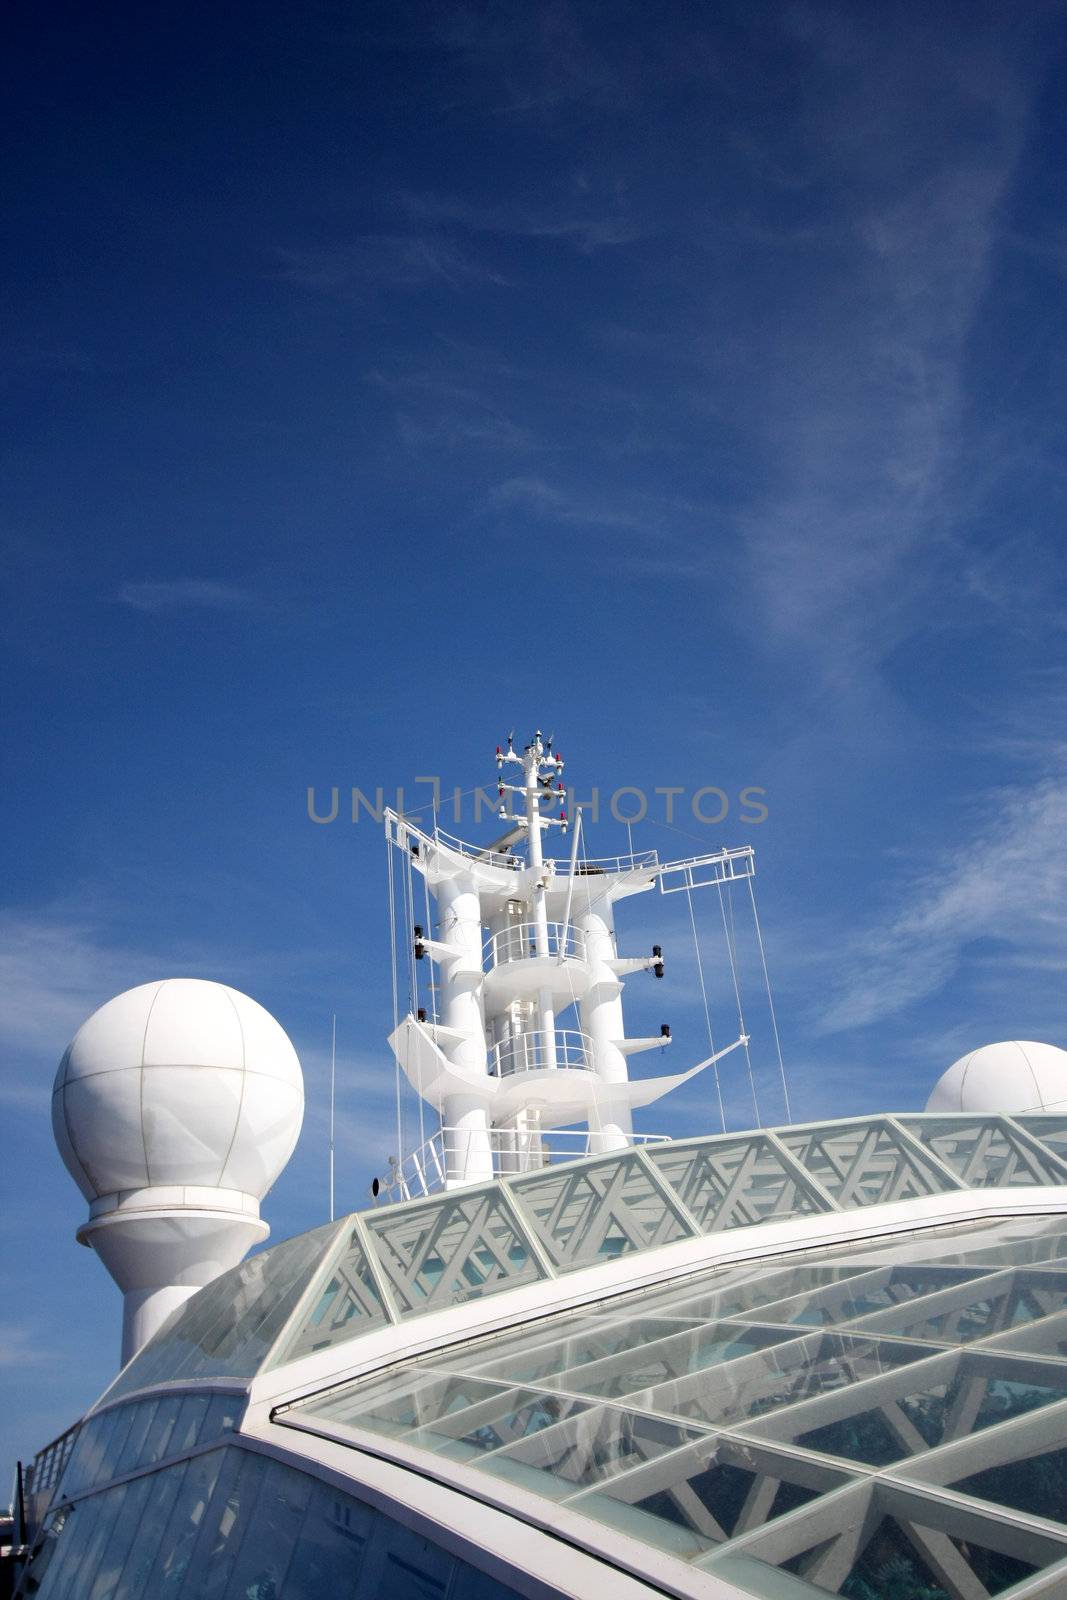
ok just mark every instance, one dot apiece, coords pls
pixel 821 1358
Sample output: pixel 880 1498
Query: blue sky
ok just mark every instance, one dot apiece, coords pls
pixel 379 378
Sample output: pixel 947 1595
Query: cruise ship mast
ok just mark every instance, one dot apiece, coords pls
pixel 520 940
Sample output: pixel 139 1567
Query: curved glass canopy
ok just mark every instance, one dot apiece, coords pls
pixel 400 1261
pixel 880 1419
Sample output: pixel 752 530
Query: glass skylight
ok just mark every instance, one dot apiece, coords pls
pixel 228 1328
pixel 893 1412
pixel 326 1287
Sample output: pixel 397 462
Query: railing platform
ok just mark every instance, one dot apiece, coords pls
pixel 515 1150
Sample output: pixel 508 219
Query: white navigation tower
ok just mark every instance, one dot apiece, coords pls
pixel 522 940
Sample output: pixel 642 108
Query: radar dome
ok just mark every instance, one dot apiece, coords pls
pixel 178 1082
pixel 1016 1075
pixel 175 1108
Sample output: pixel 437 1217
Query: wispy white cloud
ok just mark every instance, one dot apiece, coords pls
pixel 572 220
pixel 54 970
pixel 21 1346
pixel 544 500
pixel 537 61
pixel 478 432
pixel 59 962
pixel 441 410
pixel 365 1102
pixel 1005 882
pixel 397 260
pixel 186 594
pixel 859 396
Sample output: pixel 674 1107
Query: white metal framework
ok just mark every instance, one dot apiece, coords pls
pixel 820 1359
pixel 519 940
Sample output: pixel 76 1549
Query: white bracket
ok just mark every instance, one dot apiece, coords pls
pixel 704 872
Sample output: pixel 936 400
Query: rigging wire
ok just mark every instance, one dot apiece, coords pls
pixel 333 1102
pixel 728 929
pixel 409 931
pixel 707 1008
pixel 770 1002
pixel 389 847
pixel 433 995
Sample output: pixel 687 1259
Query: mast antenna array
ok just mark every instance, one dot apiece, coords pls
pixel 523 1047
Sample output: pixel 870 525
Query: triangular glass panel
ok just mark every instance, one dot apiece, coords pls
pixel 227 1328
pixel 733 1183
pixel 348 1306
pixel 984 1151
pixel 864 1163
pixel 456 1247
pixel 598 1211
pixel 1052 1131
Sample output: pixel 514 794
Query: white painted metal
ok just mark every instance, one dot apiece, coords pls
pixel 561 1095
pixel 175 1107
pixel 571 866
pixel 422 1170
pixel 512 1532
pixel 705 872
pixel 537 1050
pixel 369 1457
pixel 490 1058
pixel 602 1020
pixel 532 767
pixel 667 1263
pixel 469 1158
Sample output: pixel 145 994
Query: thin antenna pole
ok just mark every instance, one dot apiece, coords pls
pixel 333 1089
pixel 570 884
pixel 20 1504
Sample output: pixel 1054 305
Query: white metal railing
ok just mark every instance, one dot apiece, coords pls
pixel 491 858
pixel 539 1049
pixel 403 833
pixel 514 1150
pixel 700 872
pixel 590 867
pixel 41 1479
pixel 519 942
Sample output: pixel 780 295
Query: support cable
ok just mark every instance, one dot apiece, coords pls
pixel 333 1101
pixel 433 985
pixel 707 1008
pixel 396 991
pixel 770 1003
pixel 413 971
pixel 729 931
pixel 433 992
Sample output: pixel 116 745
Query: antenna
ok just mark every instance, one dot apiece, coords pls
pixel 490 1058
pixel 333 1086
pixel 570 885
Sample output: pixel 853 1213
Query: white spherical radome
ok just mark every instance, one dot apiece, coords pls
pixel 179 1082
pixel 1013 1076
